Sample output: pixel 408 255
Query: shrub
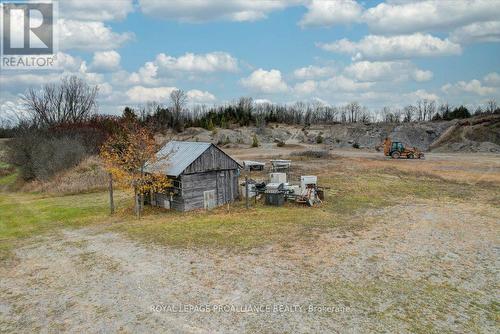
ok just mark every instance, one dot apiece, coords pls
pixel 319 139
pixel 39 154
pixel 224 140
pixel 255 141
pixel 355 145
pixel 312 154
pixel 280 143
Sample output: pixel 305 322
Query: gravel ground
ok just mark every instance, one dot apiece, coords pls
pixel 425 267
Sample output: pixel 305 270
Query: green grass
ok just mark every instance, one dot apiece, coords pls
pixel 24 215
pixel 264 225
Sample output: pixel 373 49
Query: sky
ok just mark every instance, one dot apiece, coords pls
pixel 377 53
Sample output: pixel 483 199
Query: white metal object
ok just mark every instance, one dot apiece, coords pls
pixel 253 165
pixel 277 177
pixel 280 163
pixel 306 180
pixel 294 189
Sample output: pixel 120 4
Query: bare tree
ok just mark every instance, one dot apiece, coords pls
pixel 425 109
pixel 409 113
pixel 245 104
pixel 391 116
pixel 491 106
pixel 70 101
pixel 178 101
pixel 353 111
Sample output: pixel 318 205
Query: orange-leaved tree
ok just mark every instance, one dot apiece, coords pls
pixel 126 155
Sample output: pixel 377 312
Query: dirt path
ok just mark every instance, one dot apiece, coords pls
pixel 429 267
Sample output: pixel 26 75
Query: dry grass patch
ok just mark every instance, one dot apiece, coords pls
pixel 89 175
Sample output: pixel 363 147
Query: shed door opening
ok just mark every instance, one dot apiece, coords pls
pixel 209 199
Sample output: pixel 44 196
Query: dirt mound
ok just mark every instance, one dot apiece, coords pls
pixel 477 134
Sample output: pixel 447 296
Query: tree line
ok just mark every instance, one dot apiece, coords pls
pixel 245 112
pixel 62 125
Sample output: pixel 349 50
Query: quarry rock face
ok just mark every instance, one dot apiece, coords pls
pixel 472 135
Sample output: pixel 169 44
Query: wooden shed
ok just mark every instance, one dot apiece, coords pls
pixel 203 176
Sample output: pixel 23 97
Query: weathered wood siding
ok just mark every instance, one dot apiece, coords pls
pixel 177 202
pixel 212 159
pixel 225 184
pixel 212 170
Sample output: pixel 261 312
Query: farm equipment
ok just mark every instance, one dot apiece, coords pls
pixel 253 165
pixel 280 165
pixel 278 190
pixel 397 150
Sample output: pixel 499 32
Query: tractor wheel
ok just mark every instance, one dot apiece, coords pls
pixel 395 155
pixel 410 156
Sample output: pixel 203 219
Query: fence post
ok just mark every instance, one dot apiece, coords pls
pixel 111 200
pixel 246 191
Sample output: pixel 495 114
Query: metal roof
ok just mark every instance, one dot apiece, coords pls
pixel 176 156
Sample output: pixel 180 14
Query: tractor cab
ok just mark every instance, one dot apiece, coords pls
pixel 397 147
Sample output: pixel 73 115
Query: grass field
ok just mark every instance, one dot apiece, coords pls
pixel 29 214
pixel 405 248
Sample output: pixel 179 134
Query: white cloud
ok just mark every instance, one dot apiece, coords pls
pixel 105 89
pixel 306 87
pixel 477 32
pixel 106 61
pixel 421 94
pixel 386 71
pixel 95 10
pixel 198 96
pixel 262 101
pixel 210 10
pixel 432 15
pixel 328 13
pixel 422 75
pixel 189 62
pixel 342 83
pixel 89 36
pixel 146 75
pixel 67 62
pixel 164 68
pixel 474 86
pixel 394 47
pixel 492 79
pixel 265 81
pixel 141 94
pixel 313 72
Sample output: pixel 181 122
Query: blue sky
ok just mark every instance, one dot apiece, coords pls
pixel 282 51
